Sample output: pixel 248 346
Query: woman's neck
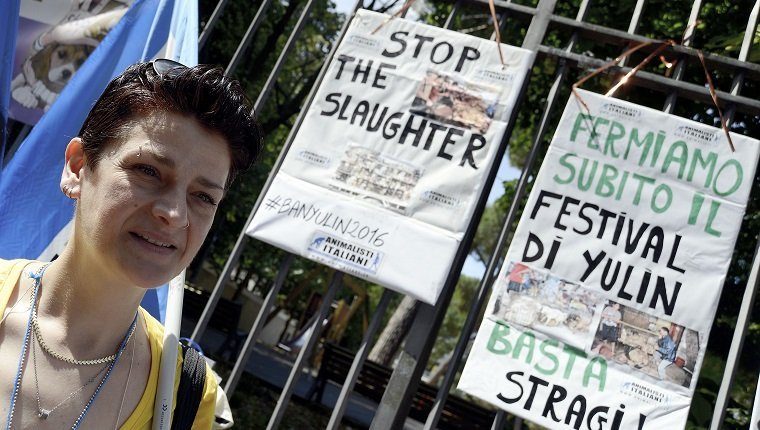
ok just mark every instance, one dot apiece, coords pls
pixel 83 308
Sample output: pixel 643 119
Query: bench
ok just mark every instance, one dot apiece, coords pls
pixel 225 318
pixel 457 413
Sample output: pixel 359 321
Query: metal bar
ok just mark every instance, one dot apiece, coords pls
pixel 737 342
pixel 221 283
pixel 660 83
pixel 738 81
pixel 619 37
pixel 361 355
pixel 539 24
pixel 258 325
pixel 749 33
pixel 633 26
pixel 252 29
pixel 450 19
pixel 237 249
pixel 492 269
pixel 680 68
pixel 305 352
pixel 501 418
pixel 518 424
pixel 264 94
pixel 394 406
pixel 748 300
pixel 211 23
pixel 520 10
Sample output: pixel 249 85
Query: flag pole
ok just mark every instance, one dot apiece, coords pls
pixel 755 422
pixel 162 409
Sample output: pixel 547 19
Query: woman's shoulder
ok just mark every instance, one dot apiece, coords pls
pixel 10 269
pixel 205 415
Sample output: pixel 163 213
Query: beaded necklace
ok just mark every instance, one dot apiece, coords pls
pixel 37 277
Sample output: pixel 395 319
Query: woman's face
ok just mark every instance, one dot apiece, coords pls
pixel 145 209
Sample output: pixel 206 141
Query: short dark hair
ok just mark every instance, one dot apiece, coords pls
pixel 201 92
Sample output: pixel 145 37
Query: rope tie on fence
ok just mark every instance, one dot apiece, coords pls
pixel 668 64
pixel 496 30
pixel 714 96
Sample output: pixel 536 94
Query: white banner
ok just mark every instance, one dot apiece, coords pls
pixel 386 169
pixel 600 316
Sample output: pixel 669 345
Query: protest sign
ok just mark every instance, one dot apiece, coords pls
pixel 600 316
pixel 387 167
pixel 54 39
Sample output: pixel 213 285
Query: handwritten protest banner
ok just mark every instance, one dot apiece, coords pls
pixel 386 169
pixel 600 316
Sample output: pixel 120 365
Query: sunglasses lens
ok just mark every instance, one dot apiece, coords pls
pixel 167 68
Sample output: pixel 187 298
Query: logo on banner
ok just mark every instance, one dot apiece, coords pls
pixel 620 111
pixel 696 134
pixel 366 42
pixel 645 393
pixel 342 252
pixel 440 199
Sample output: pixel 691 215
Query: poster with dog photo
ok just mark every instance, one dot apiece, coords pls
pixel 54 39
pixel 387 167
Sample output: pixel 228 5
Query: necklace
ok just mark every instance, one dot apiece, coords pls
pixel 70 360
pixel 44 413
pixel 22 358
pixel 126 386
pixel 103 381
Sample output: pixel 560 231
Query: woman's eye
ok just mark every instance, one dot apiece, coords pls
pixel 207 199
pixel 148 170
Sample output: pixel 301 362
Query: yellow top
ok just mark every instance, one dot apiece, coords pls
pixel 142 417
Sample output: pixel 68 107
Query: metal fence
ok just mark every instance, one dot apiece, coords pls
pixel 394 407
pixel 533 25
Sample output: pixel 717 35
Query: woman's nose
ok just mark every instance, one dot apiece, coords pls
pixel 171 208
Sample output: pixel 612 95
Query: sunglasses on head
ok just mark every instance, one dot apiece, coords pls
pixel 166 68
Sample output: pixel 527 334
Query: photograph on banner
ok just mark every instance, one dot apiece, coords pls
pixel 385 171
pixel 536 299
pixel 615 269
pixel 578 316
pixel 53 41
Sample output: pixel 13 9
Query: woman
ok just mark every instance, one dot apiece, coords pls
pixel 153 159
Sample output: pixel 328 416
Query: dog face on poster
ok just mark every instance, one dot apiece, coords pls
pixel 46 73
pixel 60 51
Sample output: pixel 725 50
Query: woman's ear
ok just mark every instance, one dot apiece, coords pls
pixel 72 169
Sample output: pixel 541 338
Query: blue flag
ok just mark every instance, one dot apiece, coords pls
pixel 34 213
pixel 9 22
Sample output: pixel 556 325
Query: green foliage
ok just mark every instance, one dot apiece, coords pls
pixel 453 321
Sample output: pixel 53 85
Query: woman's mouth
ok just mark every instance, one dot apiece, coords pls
pixel 153 241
